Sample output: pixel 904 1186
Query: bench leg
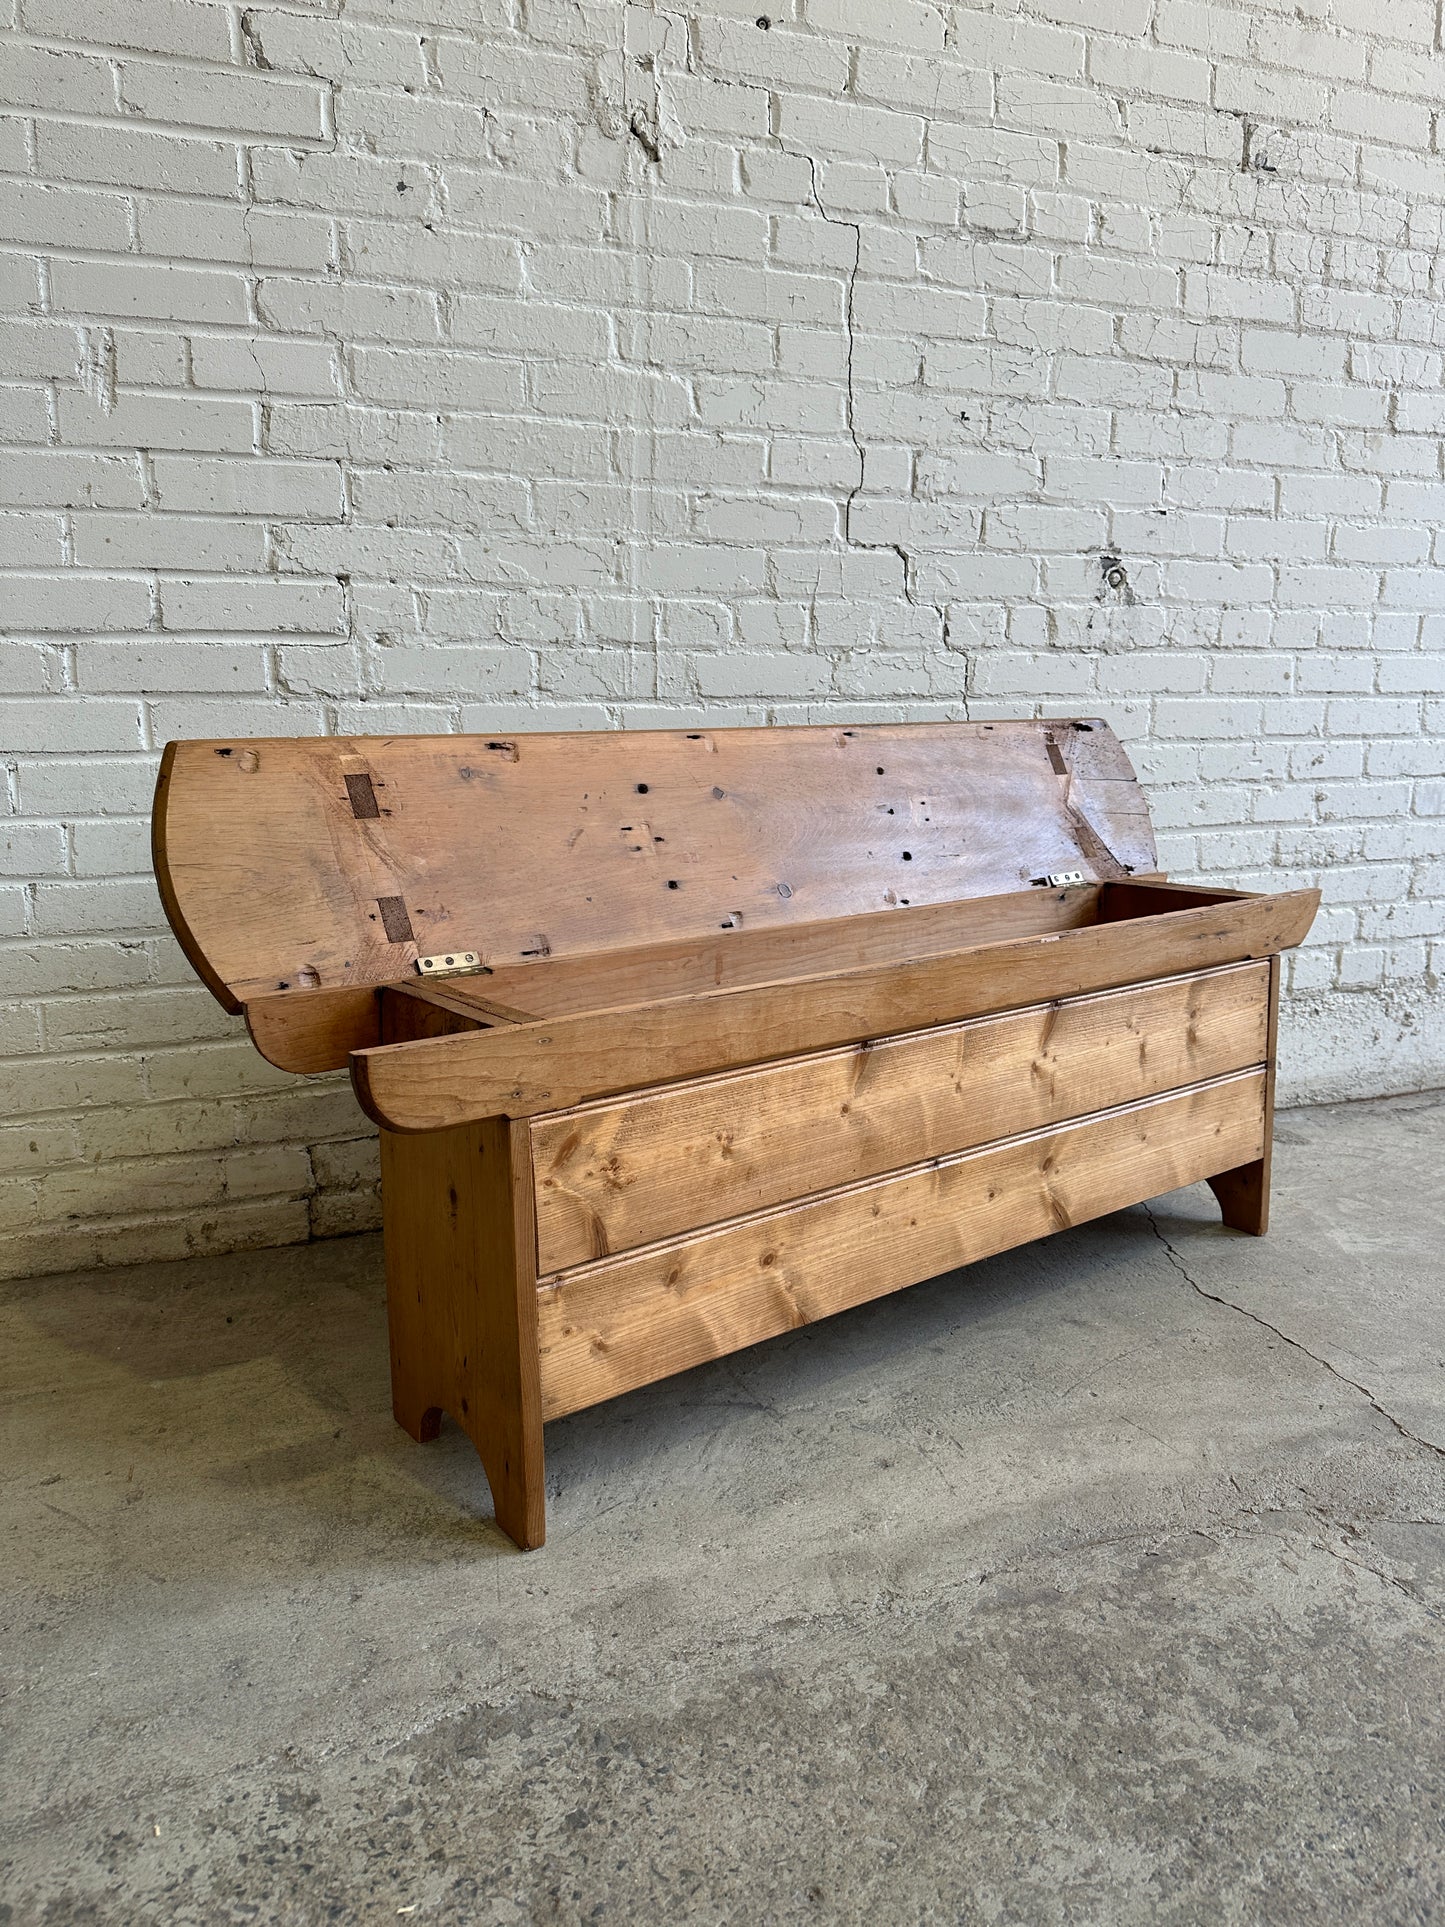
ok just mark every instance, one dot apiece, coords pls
pixel 462 1303
pixel 1243 1193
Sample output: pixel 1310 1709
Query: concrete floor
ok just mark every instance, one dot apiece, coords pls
pixel 1104 1583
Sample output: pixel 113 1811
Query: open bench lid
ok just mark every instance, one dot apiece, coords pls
pixel 335 862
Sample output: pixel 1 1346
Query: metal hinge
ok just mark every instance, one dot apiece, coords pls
pixel 1060 880
pixel 455 963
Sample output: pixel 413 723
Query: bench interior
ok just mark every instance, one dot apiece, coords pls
pixel 616 979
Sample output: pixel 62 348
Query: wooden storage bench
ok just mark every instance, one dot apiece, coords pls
pixel 680 1039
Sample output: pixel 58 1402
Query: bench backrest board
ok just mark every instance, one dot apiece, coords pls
pixel 336 861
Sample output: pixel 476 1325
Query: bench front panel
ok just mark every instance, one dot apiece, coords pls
pixel 608 1327
pixel 613 1176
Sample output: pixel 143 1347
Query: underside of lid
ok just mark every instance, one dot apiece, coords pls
pixel 291 865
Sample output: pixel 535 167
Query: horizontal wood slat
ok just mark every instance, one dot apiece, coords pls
pixel 616 1176
pixel 316 1030
pixel 627 1321
pixel 550 1065
pixel 729 960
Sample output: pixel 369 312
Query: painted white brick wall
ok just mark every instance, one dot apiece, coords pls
pixel 477 364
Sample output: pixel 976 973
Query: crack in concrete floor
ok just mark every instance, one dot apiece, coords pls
pixel 1295 1344
pixel 1360 1564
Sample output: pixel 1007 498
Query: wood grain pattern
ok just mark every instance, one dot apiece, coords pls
pixel 615 1176
pixel 179 900
pixel 1243 1193
pixel 627 1321
pixel 569 1060
pixel 649 973
pixel 288 866
pixel 462 1303
pixel 315 1030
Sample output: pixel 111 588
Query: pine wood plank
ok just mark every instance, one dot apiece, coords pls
pixel 626 1321
pixel 568 1060
pixel 614 1176
pixel 1243 1193
pixel 648 973
pixel 315 1030
pixel 306 864
pixel 462 1303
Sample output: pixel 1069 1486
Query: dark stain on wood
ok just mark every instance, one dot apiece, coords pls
pixel 361 794
pixel 394 920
